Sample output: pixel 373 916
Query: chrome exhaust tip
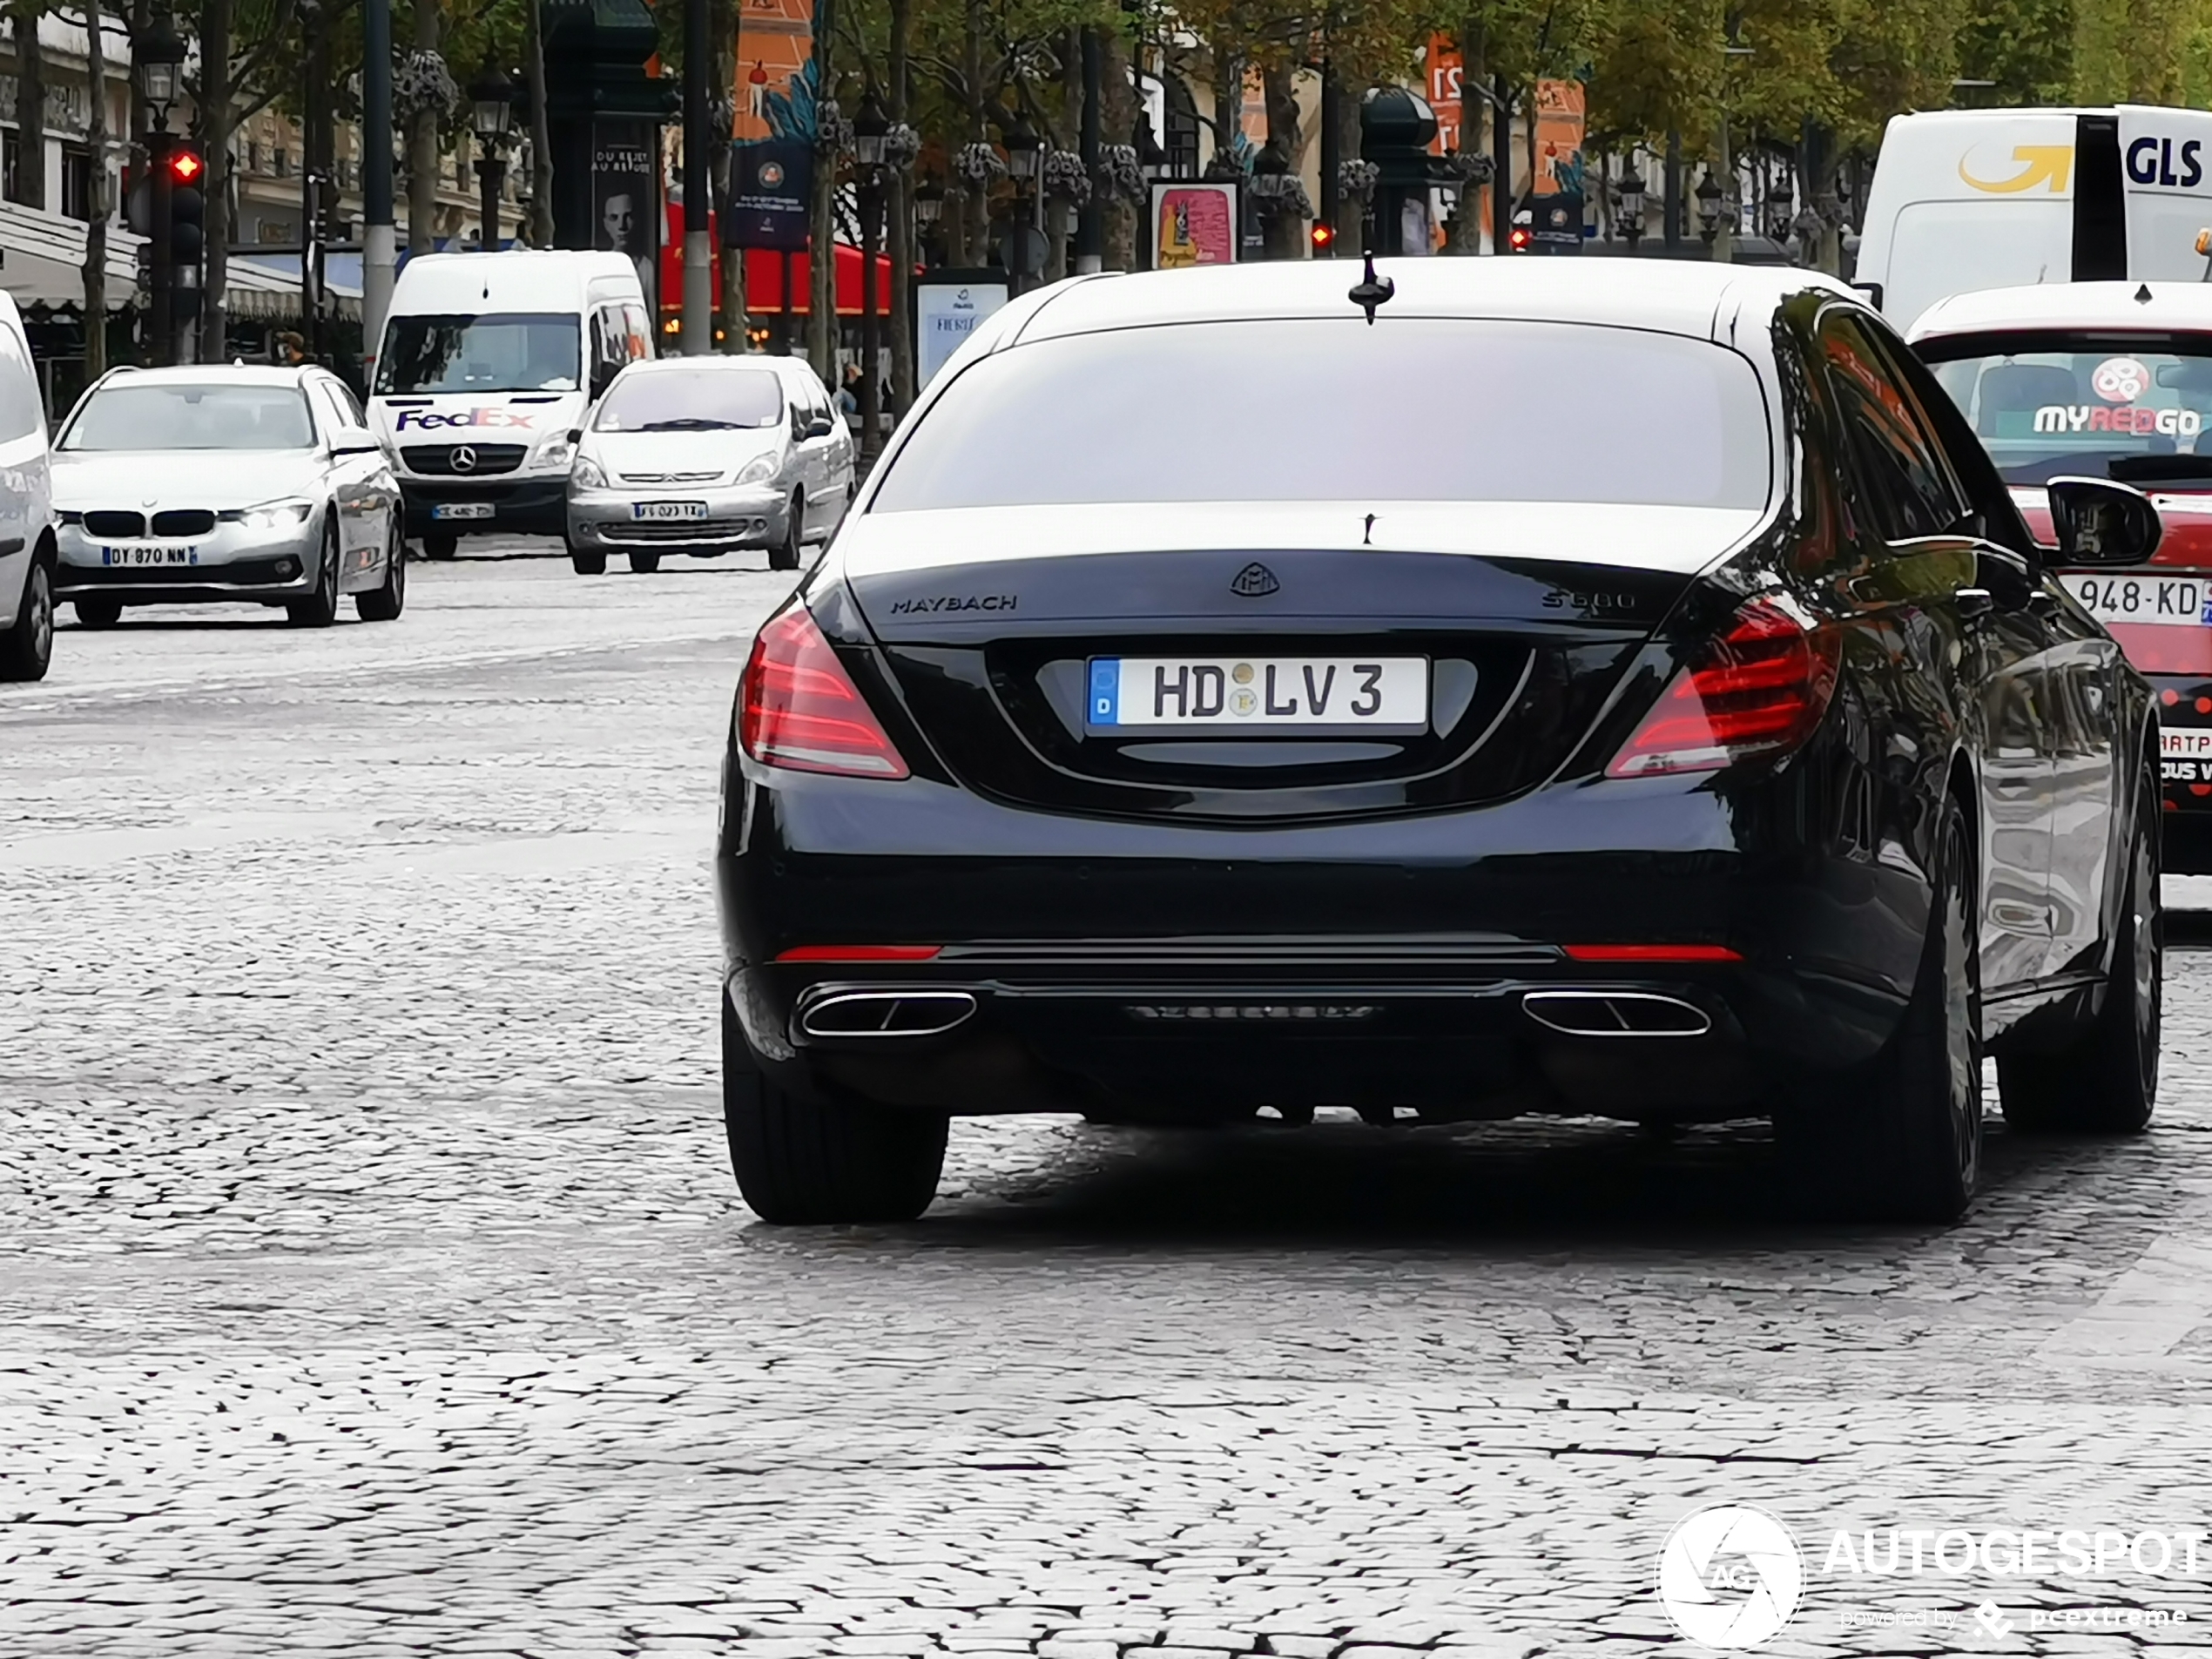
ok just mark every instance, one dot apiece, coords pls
pixel 885 1014
pixel 1615 1014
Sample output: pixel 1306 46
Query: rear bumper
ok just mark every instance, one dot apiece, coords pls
pixel 520 505
pixel 1386 964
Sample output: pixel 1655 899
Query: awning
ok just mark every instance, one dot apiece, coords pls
pixel 42 259
pixel 764 276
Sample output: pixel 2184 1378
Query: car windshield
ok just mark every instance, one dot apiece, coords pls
pixel 691 400
pixel 191 416
pixel 497 351
pixel 1412 408
pixel 2047 403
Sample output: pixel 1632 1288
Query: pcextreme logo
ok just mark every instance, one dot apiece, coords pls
pixel 1729 1575
pixel 2048 164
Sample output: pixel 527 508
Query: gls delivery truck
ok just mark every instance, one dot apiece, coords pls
pixel 1965 199
pixel 488 361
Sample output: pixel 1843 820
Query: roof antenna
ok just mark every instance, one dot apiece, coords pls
pixel 2142 293
pixel 1371 290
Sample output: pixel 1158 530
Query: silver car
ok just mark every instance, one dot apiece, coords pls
pixel 706 455
pixel 213 485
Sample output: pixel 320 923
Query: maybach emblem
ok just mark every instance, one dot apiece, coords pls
pixel 1254 580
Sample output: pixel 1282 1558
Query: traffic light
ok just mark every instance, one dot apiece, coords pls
pixel 1325 238
pixel 1520 239
pixel 188 165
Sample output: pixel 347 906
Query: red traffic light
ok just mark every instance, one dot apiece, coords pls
pixel 1325 237
pixel 186 167
pixel 1520 238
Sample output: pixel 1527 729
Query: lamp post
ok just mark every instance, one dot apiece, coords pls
pixel 1156 165
pixel 1709 207
pixel 929 212
pixel 1024 155
pixel 492 95
pixel 871 128
pixel 1632 189
pixel 157 64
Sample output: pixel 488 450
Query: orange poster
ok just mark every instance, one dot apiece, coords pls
pixel 1443 65
pixel 775 48
pixel 1559 138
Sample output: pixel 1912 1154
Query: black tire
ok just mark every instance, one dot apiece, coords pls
pixel 786 554
pixel 98 613
pixel 2106 1082
pixel 441 544
pixel 320 608
pixel 384 602
pixel 28 646
pixel 1902 1139
pixel 802 1164
pixel 645 564
pixel 587 560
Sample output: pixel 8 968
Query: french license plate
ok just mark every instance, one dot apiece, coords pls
pixel 164 554
pixel 1384 694
pixel 462 510
pixel 667 510
pixel 2176 601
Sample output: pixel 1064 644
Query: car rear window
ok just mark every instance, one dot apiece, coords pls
pixel 1323 409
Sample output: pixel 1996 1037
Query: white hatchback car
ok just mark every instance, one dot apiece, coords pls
pixel 26 510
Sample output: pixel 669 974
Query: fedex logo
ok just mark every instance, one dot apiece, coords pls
pixel 432 419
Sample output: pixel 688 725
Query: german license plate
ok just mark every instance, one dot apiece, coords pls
pixel 1382 694
pixel 2176 601
pixel 667 510
pixel 167 553
pixel 462 510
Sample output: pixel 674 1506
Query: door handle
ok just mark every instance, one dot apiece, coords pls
pixel 1974 604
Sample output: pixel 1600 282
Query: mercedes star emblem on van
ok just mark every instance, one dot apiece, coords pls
pixel 2050 165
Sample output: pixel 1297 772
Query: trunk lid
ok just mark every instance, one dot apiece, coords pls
pixel 1525 615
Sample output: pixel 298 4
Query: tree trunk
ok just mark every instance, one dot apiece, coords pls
pixel 1228 113
pixel 970 231
pixel 1286 138
pixel 96 205
pixel 901 220
pixel 1118 120
pixel 541 135
pixel 1474 123
pixel 422 147
pixel 215 130
pixel 30 106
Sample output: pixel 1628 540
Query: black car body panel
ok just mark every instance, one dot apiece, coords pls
pixel 1385 924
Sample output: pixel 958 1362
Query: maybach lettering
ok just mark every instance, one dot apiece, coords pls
pixel 950 602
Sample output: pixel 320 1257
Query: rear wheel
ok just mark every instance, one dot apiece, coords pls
pixel 645 564
pixel 28 646
pixel 807 1163
pixel 785 554
pixel 384 603
pixel 98 613
pixel 2106 1082
pixel 441 544
pixel 1901 1140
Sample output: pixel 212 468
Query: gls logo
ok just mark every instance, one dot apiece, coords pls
pixel 2150 161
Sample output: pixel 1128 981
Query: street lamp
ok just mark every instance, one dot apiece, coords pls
pixel 871 128
pixel 1023 150
pixel 1708 206
pixel 492 97
pixel 158 60
pixel 1779 199
pixel 1631 189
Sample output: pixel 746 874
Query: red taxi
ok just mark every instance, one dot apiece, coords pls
pixel 2107 380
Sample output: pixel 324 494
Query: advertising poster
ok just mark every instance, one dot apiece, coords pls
pixel 1443 66
pixel 948 306
pixel 771 166
pixel 1193 223
pixel 625 198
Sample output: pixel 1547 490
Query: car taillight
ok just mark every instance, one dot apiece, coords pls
pixel 798 708
pixel 1760 688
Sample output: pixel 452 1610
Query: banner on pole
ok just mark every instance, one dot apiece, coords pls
pixel 779 117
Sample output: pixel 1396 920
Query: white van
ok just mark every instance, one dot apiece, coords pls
pixel 26 510
pixel 1966 199
pixel 487 362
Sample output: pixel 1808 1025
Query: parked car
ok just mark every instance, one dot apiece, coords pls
pixel 2113 379
pixel 706 455
pixel 26 510
pixel 1696 734
pixel 487 366
pixel 210 485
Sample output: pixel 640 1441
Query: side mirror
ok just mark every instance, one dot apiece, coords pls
pixel 576 435
pixel 2098 522
pixel 358 441
pixel 819 427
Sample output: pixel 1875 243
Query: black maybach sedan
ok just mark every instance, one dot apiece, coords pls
pixel 1611 688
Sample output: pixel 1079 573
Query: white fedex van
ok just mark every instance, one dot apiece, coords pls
pixel 1966 199
pixel 488 361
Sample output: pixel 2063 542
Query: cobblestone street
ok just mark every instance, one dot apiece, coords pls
pixel 375 1282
